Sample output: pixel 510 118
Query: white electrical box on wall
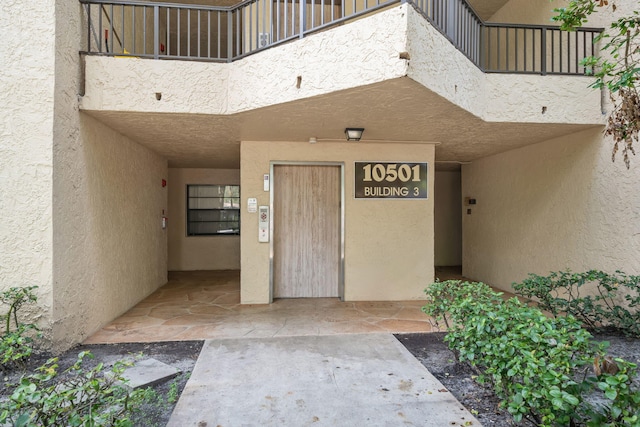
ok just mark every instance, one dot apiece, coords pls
pixel 252 205
pixel 264 39
pixel 263 224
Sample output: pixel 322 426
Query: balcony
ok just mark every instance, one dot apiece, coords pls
pixel 287 70
pixel 228 33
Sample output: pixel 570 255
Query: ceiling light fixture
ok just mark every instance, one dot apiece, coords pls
pixel 353 134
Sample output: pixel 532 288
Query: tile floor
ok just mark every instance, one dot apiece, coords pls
pixel 206 304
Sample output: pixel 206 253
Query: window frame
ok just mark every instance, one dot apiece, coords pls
pixel 213 213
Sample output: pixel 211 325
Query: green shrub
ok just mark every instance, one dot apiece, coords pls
pixel 445 300
pixel 16 343
pixel 540 367
pixel 621 401
pixel 77 397
pixel 562 293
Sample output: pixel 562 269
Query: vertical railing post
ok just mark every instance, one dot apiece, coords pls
pixel 450 7
pixel 88 9
pixel 543 51
pixel 229 35
pixel 482 51
pixel 156 32
pixel 303 17
pixel 100 37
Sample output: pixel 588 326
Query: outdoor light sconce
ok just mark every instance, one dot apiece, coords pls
pixel 353 134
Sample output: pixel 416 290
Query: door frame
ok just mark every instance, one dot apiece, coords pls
pixel 272 184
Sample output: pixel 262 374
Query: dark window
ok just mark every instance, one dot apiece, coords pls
pixel 213 209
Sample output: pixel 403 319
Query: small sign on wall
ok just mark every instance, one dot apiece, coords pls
pixel 390 180
pixel 252 205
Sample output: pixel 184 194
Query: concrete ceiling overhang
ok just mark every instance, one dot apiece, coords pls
pixel 487 8
pixel 398 110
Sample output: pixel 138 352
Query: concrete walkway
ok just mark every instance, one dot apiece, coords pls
pixel 337 380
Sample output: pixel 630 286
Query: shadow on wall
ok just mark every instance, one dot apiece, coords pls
pixel 545 207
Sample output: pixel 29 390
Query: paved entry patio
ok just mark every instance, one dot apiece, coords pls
pixel 206 304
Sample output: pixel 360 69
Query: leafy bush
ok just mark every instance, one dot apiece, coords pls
pixel 445 300
pixel 16 342
pixel 563 293
pixel 539 366
pixel 620 407
pixel 77 397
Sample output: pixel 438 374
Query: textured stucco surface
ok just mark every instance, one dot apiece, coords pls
pixel 486 8
pixel 535 12
pixel 351 75
pixel 541 11
pixel 551 206
pixel 109 250
pixel 360 53
pixel 131 84
pixel 81 201
pixel 363 52
pixel 447 218
pixel 402 108
pixel 555 205
pixel 26 134
pixel 440 67
pixel 198 252
pixel 388 243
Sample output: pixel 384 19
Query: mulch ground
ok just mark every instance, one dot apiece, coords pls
pixel 428 348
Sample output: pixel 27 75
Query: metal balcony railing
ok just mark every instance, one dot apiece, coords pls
pixel 227 33
pixel 536 49
pixel 209 33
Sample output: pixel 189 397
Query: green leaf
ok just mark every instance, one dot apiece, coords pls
pixel 22 420
pixel 611 394
pixel 557 403
pixel 571 399
pixel 612 381
pixel 555 392
pixel 616 411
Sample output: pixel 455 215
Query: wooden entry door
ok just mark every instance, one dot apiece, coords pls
pixel 306 231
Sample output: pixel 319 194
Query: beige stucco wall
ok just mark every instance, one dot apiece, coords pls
pixel 80 202
pixel 555 205
pixel 372 46
pixel 535 12
pixel 550 206
pixel 388 243
pixel 109 250
pixel 448 218
pixel 541 11
pixel 26 132
pixel 439 66
pixel 198 252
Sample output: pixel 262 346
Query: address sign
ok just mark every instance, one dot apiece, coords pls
pixel 390 180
